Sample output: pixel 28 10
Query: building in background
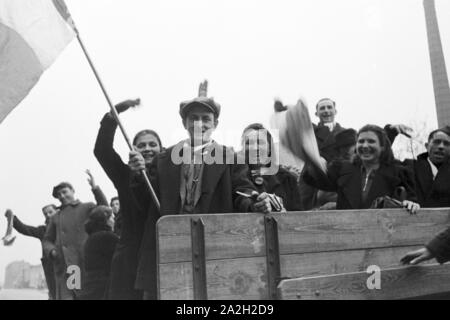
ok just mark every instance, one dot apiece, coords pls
pixel 22 275
pixel 438 68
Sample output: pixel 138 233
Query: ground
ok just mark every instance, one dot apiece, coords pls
pixel 23 294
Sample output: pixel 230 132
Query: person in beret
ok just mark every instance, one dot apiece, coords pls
pixel 64 237
pixel 197 175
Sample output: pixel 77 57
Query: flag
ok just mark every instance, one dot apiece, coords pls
pixel 298 141
pixel 32 35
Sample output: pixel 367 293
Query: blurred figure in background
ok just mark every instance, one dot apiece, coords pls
pixel 39 232
pixel 98 252
pixel 115 206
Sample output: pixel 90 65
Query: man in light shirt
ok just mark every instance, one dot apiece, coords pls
pixel 327 128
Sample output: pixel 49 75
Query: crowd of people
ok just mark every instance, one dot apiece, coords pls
pixel 114 243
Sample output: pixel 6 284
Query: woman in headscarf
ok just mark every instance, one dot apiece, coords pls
pixel 98 253
pixel 267 175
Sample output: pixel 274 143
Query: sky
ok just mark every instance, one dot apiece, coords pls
pixel 370 56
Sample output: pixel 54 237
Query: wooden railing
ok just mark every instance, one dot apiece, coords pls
pixel 297 255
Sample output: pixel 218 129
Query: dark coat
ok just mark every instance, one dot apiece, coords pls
pixel 219 185
pixel 98 253
pixel 440 246
pixel 283 184
pixel 326 140
pixel 125 259
pixel 344 177
pixel 430 193
pixel 38 233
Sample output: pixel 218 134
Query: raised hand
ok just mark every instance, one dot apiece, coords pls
pixel 91 179
pixel 136 161
pixel 203 89
pixel 402 129
pixel 9 214
pixel 125 105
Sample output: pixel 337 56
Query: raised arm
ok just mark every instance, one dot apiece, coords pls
pixel 104 151
pixel 318 179
pixel 100 197
pixel 26 230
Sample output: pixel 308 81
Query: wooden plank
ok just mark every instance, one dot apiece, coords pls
pixel 226 236
pixel 326 263
pixel 396 283
pixel 231 279
pixel 311 243
pixel 302 232
pixel 242 235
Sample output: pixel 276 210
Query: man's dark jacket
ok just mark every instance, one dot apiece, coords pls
pixel 430 193
pixel 218 195
pixel 326 140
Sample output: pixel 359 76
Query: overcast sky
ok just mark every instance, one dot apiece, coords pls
pixel 370 56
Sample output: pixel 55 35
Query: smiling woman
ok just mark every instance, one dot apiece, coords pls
pixel 373 173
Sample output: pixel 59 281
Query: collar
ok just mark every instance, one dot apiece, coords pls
pixel 196 149
pixel 74 203
pixel 364 171
pixel 330 125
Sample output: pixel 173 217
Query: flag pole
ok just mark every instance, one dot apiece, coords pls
pixel 114 111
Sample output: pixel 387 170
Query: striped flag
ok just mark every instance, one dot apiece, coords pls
pixel 32 35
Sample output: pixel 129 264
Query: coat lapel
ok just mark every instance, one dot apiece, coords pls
pixel 385 180
pixel 424 175
pixel 169 180
pixel 211 176
pixel 350 182
pixel 322 133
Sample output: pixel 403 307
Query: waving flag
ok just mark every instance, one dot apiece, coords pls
pixel 32 35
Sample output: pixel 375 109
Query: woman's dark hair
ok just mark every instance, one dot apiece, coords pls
pixel 147 131
pixel 257 127
pixel 386 156
pixel 113 199
pixel 98 220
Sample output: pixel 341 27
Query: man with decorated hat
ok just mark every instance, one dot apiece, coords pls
pixel 195 176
